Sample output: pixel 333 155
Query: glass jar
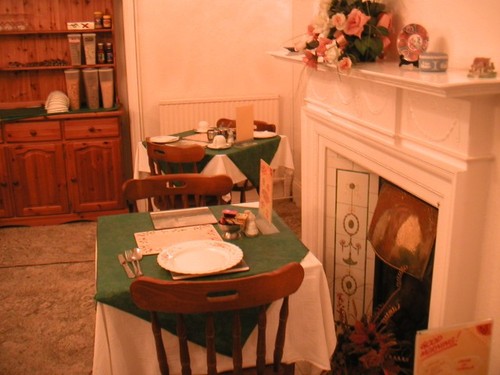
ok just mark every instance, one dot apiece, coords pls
pixel 106 21
pixel 101 55
pixel 98 20
pixel 109 53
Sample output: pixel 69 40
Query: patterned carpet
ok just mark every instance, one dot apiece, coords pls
pixel 47 289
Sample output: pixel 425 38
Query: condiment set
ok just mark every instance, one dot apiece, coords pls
pixel 232 223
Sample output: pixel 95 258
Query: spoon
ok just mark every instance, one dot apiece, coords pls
pixel 130 258
pixel 137 256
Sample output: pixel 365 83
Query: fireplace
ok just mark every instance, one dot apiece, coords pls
pixel 429 134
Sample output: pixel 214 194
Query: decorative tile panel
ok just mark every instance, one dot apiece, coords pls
pixel 349 258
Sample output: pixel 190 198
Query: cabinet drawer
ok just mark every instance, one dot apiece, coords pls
pixel 32 131
pixel 92 128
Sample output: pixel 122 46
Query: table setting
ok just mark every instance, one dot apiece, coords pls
pixel 238 160
pixel 196 252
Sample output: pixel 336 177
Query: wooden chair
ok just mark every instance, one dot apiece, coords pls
pixel 175 159
pixel 245 186
pixel 207 297
pixel 172 191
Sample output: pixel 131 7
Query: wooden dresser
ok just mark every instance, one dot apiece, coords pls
pixel 63 167
pixel 60 168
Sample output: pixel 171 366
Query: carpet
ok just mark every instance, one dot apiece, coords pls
pixel 47 289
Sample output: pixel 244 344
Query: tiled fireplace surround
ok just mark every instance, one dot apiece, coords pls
pixel 428 133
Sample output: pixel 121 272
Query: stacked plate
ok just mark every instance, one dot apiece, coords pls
pixel 57 102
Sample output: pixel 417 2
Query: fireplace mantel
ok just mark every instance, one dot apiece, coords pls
pixel 429 133
pixel 451 84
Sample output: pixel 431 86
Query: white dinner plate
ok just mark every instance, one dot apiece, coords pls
pixel 164 139
pixel 214 147
pixel 264 134
pixel 200 257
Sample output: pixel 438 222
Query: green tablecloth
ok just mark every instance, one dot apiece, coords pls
pixel 246 156
pixel 116 233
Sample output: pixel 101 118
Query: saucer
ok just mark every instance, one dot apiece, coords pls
pixel 264 134
pixel 214 147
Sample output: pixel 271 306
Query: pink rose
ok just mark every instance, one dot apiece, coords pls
pixel 344 65
pixel 338 21
pixel 356 21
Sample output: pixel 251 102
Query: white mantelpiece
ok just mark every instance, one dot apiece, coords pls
pixel 429 133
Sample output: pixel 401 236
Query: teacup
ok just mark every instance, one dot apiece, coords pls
pixel 219 141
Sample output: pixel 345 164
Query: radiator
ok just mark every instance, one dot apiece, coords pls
pixel 185 114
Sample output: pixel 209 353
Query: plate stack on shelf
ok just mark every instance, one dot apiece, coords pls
pixel 57 102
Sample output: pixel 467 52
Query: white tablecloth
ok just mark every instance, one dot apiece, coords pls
pixel 124 343
pixel 219 164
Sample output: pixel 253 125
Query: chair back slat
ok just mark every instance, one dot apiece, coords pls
pixel 174 158
pixel 209 296
pixel 171 190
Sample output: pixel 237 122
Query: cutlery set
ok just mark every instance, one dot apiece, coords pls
pixel 133 257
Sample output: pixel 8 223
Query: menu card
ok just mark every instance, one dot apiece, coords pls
pixel 461 349
pixel 265 217
pixel 244 123
pixel 182 218
pixel 154 241
pixel 266 191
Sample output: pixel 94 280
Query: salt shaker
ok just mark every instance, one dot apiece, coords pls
pixel 251 229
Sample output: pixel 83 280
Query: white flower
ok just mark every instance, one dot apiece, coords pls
pixel 331 53
pixel 322 23
pixel 324 5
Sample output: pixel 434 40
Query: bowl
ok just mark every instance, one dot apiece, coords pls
pixel 230 231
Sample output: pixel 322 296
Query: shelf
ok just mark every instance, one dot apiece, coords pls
pixel 52 32
pixel 55 67
pixel 451 84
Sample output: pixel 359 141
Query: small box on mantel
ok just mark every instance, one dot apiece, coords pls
pixel 80 25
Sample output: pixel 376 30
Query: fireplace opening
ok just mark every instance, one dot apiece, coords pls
pixel 379 253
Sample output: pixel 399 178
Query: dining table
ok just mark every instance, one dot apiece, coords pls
pixel 241 161
pixel 124 343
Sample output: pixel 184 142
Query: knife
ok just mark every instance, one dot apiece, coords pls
pixel 126 267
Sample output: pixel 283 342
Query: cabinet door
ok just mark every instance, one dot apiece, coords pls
pixel 6 206
pixel 38 179
pixel 95 175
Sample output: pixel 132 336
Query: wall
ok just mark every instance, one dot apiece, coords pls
pixel 198 48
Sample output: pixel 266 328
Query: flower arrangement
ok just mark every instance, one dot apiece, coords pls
pixel 345 32
pixel 370 347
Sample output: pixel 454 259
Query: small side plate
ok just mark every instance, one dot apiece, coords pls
pixel 162 139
